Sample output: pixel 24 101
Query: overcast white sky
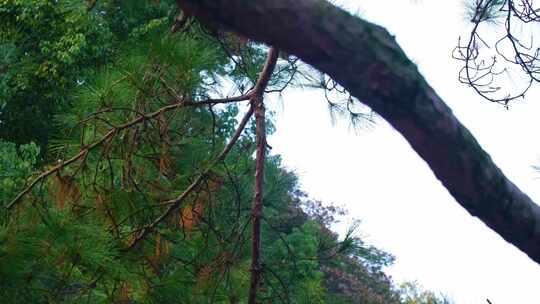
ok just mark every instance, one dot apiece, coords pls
pixel 380 179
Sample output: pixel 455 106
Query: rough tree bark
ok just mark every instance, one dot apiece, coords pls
pixel 366 60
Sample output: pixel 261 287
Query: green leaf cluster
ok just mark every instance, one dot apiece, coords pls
pixel 16 165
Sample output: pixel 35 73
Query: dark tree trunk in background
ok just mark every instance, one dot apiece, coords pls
pixel 368 62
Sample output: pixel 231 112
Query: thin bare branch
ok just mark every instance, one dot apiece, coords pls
pixel 258 104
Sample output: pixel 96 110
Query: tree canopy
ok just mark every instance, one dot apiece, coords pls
pixel 133 163
pixel 134 158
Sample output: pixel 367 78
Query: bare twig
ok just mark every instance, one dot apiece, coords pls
pixel 510 55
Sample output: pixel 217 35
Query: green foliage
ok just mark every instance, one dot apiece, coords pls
pixel 16 164
pixel 413 293
pixel 45 47
pixel 38 255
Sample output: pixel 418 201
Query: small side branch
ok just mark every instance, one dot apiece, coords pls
pixel 174 204
pixel 255 97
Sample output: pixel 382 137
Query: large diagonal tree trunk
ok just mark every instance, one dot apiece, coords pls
pixel 368 62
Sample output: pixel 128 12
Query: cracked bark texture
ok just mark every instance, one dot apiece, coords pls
pixel 366 60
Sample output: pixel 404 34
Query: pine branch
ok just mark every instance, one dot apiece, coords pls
pixel 174 204
pixel 254 96
pixel 112 133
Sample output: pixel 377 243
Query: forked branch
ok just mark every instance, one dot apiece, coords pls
pixel 255 97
